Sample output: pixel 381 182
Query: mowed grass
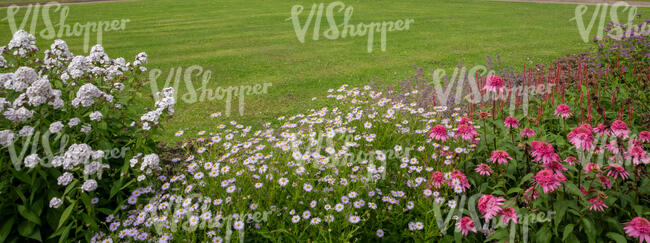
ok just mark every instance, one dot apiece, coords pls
pixel 252 42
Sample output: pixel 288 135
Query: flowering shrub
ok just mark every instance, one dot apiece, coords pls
pixel 63 118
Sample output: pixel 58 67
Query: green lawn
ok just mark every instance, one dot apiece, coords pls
pixel 251 42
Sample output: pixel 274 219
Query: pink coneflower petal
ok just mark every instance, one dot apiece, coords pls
pixel 638 228
pixel 436 179
pixel 439 132
pixel 527 132
pixel 483 169
pixel 543 152
pixel 619 128
pixel 494 83
pixel 616 170
pixel 467 132
pixel 597 204
pixel 582 138
pixel 500 156
pixel 549 180
pixel 508 214
pixel 644 136
pixel 465 225
pixel 563 111
pixel 490 206
pixel 511 122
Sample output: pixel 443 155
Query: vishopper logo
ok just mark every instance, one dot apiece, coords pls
pixel 347 29
pixel 64 30
pixel 600 14
pixel 191 213
pixel 36 141
pixel 375 161
pixel 462 77
pixel 523 220
pixel 203 93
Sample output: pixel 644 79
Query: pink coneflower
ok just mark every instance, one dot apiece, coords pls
pixel 585 192
pixel 490 205
pixel 616 170
pixel 500 156
pixel 483 169
pixel 645 136
pixel 511 122
pixel 605 180
pixel 581 137
pixel 592 167
pixel 527 132
pixel 458 175
pixel 549 180
pixel 619 128
pixel 467 132
pixel 465 121
pixel 612 146
pixel 543 151
pixel 635 142
pixel 600 129
pixel 465 225
pixel 637 155
pixel 555 166
pixel 508 214
pixel 563 111
pixel 437 179
pixel 439 132
pixel 494 83
pixel 570 160
pixel 530 193
pixel 638 228
pixel 597 204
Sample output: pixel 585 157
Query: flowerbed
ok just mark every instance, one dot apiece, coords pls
pixel 377 166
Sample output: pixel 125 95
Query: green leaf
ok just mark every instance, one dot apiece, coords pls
pixel 590 231
pixel 29 230
pixel 70 187
pixel 115 188
pixel 514 190
pixel 526 178
pixel 560 211
pixel 66 232
pixel 105 211
pixel 573 189
pixel 66 214
pixel 544 234
pixel 568 229
pixel 22 177
pixel 501 235
pixel 616 237
pixel 6 229
pixel 28 214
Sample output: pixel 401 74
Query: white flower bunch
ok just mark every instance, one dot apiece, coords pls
pixel 18 115
pixel 87 94
pixel 149 163
pixel 22 44
pixel 165 101
pixel 57 55
pixel 22 78
pixel 6 137
pixel 3 62
pixel 28 92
